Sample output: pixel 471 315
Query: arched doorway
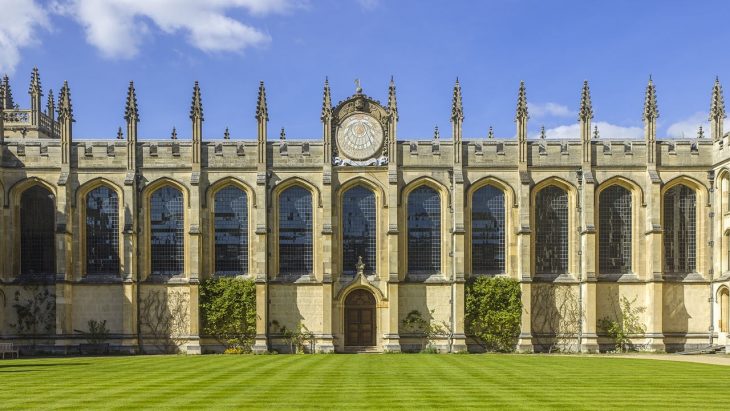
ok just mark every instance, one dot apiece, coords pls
pixel 360 319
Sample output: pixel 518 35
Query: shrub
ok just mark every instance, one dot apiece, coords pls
pixel 414 323
pixel 228 308
pixel 626 325
pixel 98 333
pixel 493 308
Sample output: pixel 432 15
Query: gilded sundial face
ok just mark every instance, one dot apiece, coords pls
pixel 360 137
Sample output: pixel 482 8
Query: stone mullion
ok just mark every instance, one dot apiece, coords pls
pixel 325 343
pixel 260 262
pixel 654 291
pixel 193 268
pixel 524 267
pixel 589 341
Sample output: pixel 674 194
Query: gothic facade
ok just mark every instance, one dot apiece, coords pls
pixel 349 233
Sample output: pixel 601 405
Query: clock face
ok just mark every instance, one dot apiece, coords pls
pixel 359 137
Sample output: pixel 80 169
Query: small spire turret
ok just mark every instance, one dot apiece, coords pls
pixel 651 109
pixel 35 83
pixel 6 95
pixel 521 112
pixel 262 112
pixel 196 107
pixel 490 134
pixel 392 102
pixel 65 109
pixel 436 134
pixel 457 108
pixel 326 101
pixel 226 134
pixel 586 107
pixel 173 135
pixel 282 135
pixel 596 136
pixel 131 112
pixel 717 111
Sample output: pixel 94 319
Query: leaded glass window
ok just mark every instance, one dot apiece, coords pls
pixel 231 231
pixel 167 225
pixel 102 231
pixel 37 243
pixel 295 231
pixel 551 231
pixel 614 225
pixel 358 229
pixel 680 225
pixel 487 230
pixel 424 231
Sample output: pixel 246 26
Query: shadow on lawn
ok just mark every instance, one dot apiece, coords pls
pixel 3 368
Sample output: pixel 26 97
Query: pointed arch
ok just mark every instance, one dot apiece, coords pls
pixel 427 233
pixel 300 239
pixel 495 229
pixel 723 300
pixel 178 227
pixel 34 243
pixel 234 255
pixel 683 223
pixel 110 245
pixel 616 250
pixel 291 181
pixel 553 233
pixel 359 231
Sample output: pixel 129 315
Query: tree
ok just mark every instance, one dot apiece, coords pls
pixel 625 324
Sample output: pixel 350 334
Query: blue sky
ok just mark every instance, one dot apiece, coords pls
pixel 230 45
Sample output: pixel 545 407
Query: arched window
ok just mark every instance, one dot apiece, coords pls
pixel 487 230
pixel 724 310
pixel 295 231
pixel 37 231
pixel 680 230
pixel 231 231
pixel 167 237
pixel 614 228
pixel 358 229
pixel 551 233
pixel 424 231
pixel 102 231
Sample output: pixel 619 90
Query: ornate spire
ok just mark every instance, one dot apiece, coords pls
pixel 717 103
pixel 457 109
pixel 521 103
pixel 596 136
pixel 51 105
pixel 120 135
pixel 65 110
pixel 586 107
pixel 700 133
pixel 542 132
pixel 196 108
pixel 173 135
pixel 262 112
pixel 35 83
pixel 392 102
pixel 651 110
pixel 326 100
pixel 6 95
pixel 282 135
pixel 131 112
pixel 490 134
pixel 436 134
pixel 226 135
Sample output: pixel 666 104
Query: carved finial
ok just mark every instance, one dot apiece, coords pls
pixel 131 112
pixel 120 135
pixel 586 108
pixel 282 135
pixel 51 105
pixel 392 103
pixel 358 87
pixel 35 83
pixel 651 110
pixel 542 132
pixel 262 112
pixel 521 103
pixel 173 136
pixel 65 110
pixel 226 135
pixel 196 108
pixel 6 95
pixel 490 134
pixel 700 133
pixel 457 109
pixel 436 134
pixel 595 133
pixel 326 100
pixel 717 104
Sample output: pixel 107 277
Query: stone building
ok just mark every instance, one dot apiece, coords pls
pixel 349 233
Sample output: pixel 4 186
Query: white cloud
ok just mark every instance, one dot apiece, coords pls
pixel 687 128
pixel 549 110
pixel 605 130
pixel 118 27
pixel 19 22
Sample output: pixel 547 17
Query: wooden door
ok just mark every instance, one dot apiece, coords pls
pixel 360 319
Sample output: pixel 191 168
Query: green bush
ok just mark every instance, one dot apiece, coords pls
pixel 493 309
pixel 228 308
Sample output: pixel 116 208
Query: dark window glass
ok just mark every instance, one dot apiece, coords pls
pixel 231 232
pixel 487 230
pixel 614 225
pixel 37 220
pixel 424 231
pixel 167 235
pixel 295 231
pixel 680 236
pixel 102 231
pixel 358 229
pixel 551 236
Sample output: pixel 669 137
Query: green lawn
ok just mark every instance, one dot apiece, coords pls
pixel 361 381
